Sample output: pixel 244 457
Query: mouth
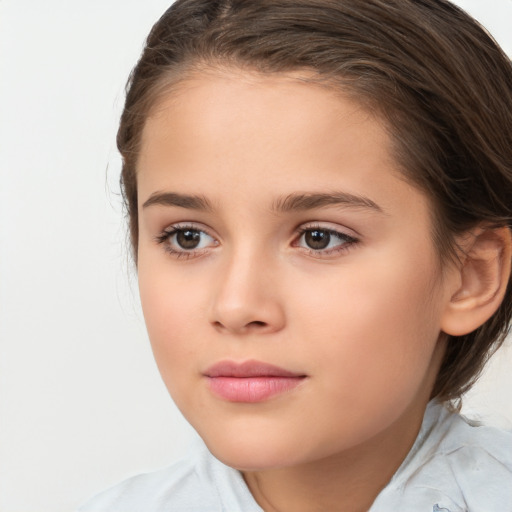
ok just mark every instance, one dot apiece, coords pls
pixel 251 381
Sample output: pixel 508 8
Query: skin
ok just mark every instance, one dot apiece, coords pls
pixel 361 320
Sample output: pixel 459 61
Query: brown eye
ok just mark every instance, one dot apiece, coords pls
pixel 317 239
pixel 324 241
pixel 188 239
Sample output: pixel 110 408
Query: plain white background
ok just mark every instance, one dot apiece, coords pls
pixel 81 402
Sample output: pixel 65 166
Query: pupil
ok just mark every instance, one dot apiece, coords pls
pixel 188 239
pixel 317 239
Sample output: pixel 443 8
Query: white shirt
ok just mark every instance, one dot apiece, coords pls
pixel 453 466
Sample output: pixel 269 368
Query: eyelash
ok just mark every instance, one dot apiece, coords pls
pixel 348 241
pixel 164 237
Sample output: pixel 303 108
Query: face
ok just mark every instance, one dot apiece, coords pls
pixel 288 280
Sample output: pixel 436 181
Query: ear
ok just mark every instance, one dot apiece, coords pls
pixel 481 280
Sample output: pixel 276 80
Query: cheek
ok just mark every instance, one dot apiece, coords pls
pixel 376 328
pixel 172 308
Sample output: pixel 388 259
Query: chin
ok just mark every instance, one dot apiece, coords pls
pixel 251 455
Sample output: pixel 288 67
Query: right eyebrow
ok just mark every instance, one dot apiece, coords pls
pixel 191 202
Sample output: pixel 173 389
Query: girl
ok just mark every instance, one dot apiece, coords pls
pixel 319 195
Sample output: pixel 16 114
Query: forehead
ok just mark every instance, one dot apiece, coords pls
pixel 268 133
pixel 221 103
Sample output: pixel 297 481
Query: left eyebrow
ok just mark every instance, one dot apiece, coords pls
pixel 310 201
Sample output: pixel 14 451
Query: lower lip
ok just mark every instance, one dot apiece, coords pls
pixel 251 389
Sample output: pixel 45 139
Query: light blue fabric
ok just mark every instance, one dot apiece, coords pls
pixel 452 467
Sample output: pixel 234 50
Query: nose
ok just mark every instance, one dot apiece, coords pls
pixel 246 297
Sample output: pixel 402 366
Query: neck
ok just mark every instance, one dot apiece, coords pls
pixel 344 482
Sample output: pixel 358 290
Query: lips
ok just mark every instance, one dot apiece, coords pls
pixel 251 381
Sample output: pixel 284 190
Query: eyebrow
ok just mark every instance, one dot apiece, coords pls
pixel 191 202
pixel 310 201
pixel 289 203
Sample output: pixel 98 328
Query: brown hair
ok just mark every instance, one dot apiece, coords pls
pixel 439 80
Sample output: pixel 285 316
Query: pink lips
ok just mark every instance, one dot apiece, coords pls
pixel 251 381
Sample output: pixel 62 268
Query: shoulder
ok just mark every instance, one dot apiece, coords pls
pixel 457 466
pixel 473 451
pixel 479 461
pixel 196 483
pixel 150 491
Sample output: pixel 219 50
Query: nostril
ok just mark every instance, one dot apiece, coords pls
pixel 256 323
pixel 250 326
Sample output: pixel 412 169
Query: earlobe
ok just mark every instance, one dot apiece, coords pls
pixel 482 280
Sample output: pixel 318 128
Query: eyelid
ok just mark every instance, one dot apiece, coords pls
pixel 347 240
pixel 196 226
pixel 329 226
pixel 165 236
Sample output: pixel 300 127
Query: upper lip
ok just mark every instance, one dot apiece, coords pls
pixel 248 369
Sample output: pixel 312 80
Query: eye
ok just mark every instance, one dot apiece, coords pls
pixel 185 240
pixel 324 240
